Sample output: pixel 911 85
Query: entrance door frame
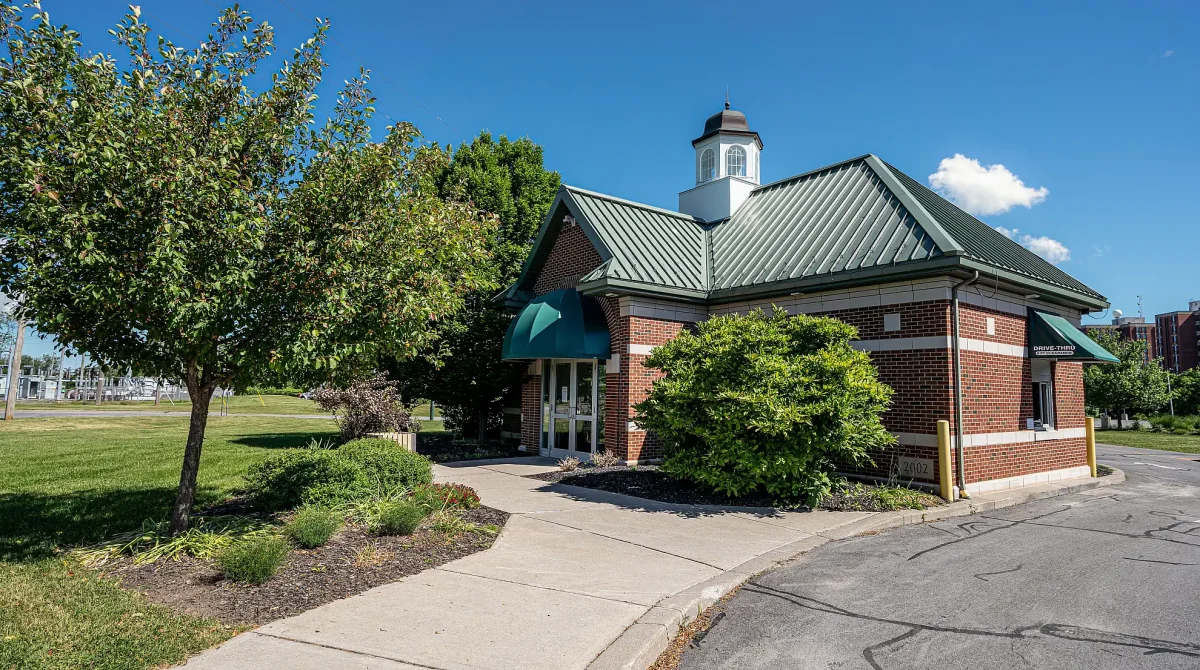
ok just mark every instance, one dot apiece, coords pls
pixel 550 369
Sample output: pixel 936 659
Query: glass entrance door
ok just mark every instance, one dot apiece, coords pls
pixel 572 405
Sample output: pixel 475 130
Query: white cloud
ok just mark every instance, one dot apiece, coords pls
pixel 1047 247
pixel 1168 53
pixel 983 190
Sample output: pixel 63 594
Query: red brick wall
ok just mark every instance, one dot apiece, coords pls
pixel 571 257
pixel 1010 460
pixel 531 392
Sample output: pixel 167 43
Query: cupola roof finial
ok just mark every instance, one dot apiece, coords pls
pixel 726 97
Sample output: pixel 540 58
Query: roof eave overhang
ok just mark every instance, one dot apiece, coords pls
pixel 741 133
pixel 836 280
pixel 1045 291
pixel 606 285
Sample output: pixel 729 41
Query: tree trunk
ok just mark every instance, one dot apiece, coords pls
pixel 200 387
pixel 100 386
pixel 157 391
pixel 482 426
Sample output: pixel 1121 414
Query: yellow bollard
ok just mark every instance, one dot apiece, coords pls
pixel 947 479
pixel 1090 431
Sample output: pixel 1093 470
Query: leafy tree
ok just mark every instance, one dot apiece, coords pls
pixel 1131 384
pixel 1186 386
pixel 464 373
pixel 168 219
pixel 765 403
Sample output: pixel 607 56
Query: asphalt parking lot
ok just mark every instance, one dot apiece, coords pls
pixel 1107 578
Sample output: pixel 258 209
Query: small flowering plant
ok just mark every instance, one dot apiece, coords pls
pixel 446 496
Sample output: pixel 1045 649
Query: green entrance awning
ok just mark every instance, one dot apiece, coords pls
pixel 559 324
pixel 1053 337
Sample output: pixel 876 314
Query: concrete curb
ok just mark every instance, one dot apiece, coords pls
pixel 647 638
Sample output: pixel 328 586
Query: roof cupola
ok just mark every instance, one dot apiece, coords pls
pixel 727 166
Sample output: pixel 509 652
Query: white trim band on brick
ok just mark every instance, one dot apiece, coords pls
pixel 634 428
pixel 641 349
pixel 940 342
pixel 992 439
pixel 1020 481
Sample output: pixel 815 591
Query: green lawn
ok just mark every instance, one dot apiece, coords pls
pixel 74 480
pixel 238 404
pixel 1188 444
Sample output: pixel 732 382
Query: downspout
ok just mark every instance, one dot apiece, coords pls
pixel 958 401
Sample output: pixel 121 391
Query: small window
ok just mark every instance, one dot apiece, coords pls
pixel 708 165
pixel 735 162
pixel 1043 394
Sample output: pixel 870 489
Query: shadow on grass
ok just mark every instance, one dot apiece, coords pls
pixel 287 440
pixel 33 524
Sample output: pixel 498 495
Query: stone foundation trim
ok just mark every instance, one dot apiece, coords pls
pixel 641 349
pixel 989 439
pixel 940 342
pixel 1020 481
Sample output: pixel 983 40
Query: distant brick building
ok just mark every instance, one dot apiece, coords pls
pixel 1178 333
pixel 965 324
pixel 1132 328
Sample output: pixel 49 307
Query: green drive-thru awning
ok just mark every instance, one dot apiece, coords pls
pixel 1053 337
pixel 559 324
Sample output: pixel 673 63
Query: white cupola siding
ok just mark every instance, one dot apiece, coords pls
pixel 727 167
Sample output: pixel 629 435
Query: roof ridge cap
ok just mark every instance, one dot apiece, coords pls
pixel 632 203
pixel 810 172
pixel 945 241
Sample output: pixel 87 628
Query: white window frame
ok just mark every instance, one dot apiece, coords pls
pixel 1042 392
pixel 741 161
pixel 711 172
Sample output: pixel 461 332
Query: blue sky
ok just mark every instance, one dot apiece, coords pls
pixel 1096 103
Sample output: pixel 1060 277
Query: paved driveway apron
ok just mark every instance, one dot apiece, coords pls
pixel 1108 578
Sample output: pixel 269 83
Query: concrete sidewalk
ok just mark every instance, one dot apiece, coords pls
pixel 577 579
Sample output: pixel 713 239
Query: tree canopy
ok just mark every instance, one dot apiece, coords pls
pixel 1132 384
pixel 463 371
pixel 163 216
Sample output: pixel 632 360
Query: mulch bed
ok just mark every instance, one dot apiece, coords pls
pixel 650 483
pixel 308 578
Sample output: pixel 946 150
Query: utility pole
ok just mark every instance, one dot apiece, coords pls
pixel 14 372
pixel 99 383
pixel 62 354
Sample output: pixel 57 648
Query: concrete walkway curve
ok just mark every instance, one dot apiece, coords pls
pixel 577 579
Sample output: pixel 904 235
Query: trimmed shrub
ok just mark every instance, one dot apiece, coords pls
pixel 766 404
pixel 442 496
pixel 253 561
pixel 397 518
pixel 291 478
pixel 388 464
pixel 312 527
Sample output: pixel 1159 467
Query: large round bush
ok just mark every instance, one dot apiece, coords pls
pixel 289 479
pixel 762 403
pixel 389 465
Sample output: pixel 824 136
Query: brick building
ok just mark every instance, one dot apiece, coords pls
pixel 1178 334
pixel 936 295
pixel 1132 328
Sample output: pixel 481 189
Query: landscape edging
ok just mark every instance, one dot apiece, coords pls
pixel 640 645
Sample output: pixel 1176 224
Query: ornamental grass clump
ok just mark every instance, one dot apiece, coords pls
pixel 253 561
pixel 765 404
pixel 312 527
pixel 397 518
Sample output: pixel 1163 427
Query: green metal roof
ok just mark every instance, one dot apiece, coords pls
pixel 859 221
pixel 833 220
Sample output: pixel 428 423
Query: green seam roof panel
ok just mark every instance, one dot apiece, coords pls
pixel 558 324
pixel 648 244
pixel 986 244
pixel 841 218
pixel 1053 337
